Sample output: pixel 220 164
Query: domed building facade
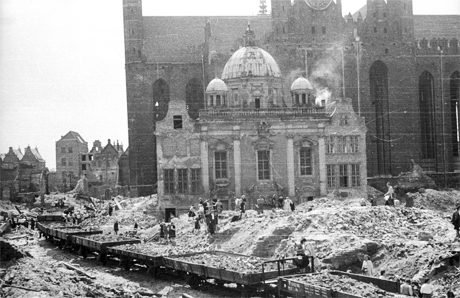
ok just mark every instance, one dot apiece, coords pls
pixel 252 139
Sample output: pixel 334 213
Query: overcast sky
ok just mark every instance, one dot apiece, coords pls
pixel 62 65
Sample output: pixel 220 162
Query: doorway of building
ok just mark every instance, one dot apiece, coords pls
pixel 169 212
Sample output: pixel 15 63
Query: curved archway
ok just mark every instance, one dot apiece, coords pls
pixel 378 79
pixel 427 115
pixel 194 97
pixel 455 111
pixel 160 99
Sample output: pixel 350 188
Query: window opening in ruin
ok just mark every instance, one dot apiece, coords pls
pixel 160 98
pixel 305 161
pixel 168 181
pixel 90 157
pixel 211 100
pixel 257 102
pixel 331 176
pixel 263 164
pixel 354 144
pixel 342 144
pixel 177 121
pixel 343 175
pixel 194 97
pixel 195 181
pixel 455 111
pixel 304 99
pixel 168 213
pixel 83 158
pixel 218 103
pixel 220 164
pixel 378 77
pixel 83 167
pixel 63 162
pixel 427 115
pixel 323 102
pixel 330 145
pixel 297 100
pixel 355 175
pixel 344 120
pixel 182 179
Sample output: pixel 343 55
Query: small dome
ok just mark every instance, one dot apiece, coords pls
pixel 250 61
pixel 301 84
pixel 216 85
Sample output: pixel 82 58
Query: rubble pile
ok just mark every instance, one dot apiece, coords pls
pixel 444 201
pixel 106 237
pixel 242 264
pixel 45 279
pixel 154 249
pixel 449 281
pixel 342 284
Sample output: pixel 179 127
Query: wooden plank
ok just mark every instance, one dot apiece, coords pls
pixel 78 270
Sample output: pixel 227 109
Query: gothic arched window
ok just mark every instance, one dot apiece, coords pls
pixel 194 97
pixel 427 116
pixel 378 77
pixel 455 110
pixel 160 99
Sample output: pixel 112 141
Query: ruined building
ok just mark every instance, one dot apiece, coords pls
pixel 400 70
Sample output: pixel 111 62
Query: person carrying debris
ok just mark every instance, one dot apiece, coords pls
pixel 280 202
pixel 406 288
pixel 390 193
pixel 243 204
pixel 191 212
pixel 368 267
pixel 197 225
pixel 456 221
pixel 110 209
pixel 287 205
pixel 303 250
pixel 219 206
pixel 162 231
pixel 172 232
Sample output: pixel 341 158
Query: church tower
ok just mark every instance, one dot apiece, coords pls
pixel 132 18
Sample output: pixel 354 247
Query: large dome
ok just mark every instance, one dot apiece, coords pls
pixel 250 61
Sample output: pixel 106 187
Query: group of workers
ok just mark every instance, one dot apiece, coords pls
pixel 207 212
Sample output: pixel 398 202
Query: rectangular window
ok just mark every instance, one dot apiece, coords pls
pixel 263 164
pixel 182 181
pixel 257 102
pixel 196 180
pixel 63 162
pixel 177 119
pixel 83 167
pixel 343 175
pixel 63 150
pixel 83 158
pixel 354 144
pixel 169 181
pixel 342 144
pixel 344 120
pixel 220 164
pixel 330 145
pixel 355 175
pixel 70 149
pixel 70 162
pixel 305 161
pixel 331 176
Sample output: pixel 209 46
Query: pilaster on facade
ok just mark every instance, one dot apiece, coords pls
pixel 322 166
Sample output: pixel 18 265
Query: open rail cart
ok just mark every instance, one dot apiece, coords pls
pixel 63 234
pixel 85 245
pixel 293 286
pixel 248 283
pixel 129 257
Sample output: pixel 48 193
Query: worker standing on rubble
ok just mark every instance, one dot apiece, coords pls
pixel 368 267
pixel 406 288
pixel 110 209
pixel 390 193
pixel 287 205
pixel 260 204
pixel 426 289
pixel 115 227
pixel 456 221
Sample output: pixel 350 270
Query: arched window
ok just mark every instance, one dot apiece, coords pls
pixel 160 99
pixel 427 125
pixel 378 77
pixel 455 110
pixel 194 97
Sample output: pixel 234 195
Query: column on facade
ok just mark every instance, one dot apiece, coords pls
pixel 322 166
pixel 237 161
pixel 205 163
pixel 290 164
